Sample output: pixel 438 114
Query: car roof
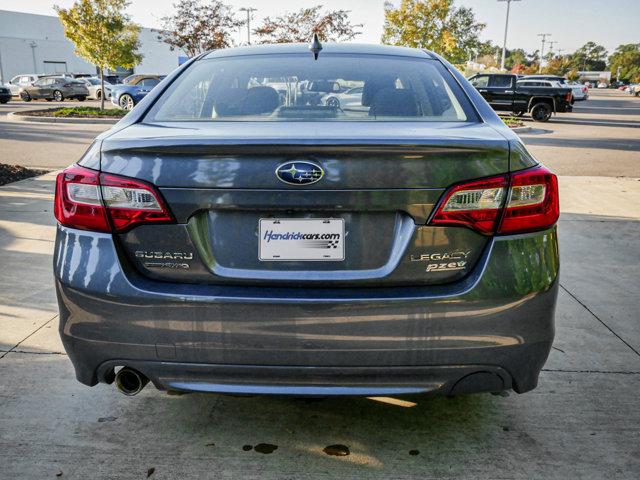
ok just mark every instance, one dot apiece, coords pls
pixel 341 48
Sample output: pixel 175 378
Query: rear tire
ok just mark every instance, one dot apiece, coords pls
pixel 98 95
pixel 57 96
pixel 541 112
pixel 25 96
pixel 333 102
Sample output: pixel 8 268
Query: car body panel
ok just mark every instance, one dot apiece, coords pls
pixel 500 314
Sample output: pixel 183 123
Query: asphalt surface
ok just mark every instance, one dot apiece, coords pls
pixel 42 145
pixel 582 421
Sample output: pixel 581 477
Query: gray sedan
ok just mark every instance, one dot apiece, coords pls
pixel 55 88
pixel 225 238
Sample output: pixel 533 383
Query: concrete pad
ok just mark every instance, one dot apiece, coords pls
pixel 572 426
pixel 582 343
pixel 608 197
pixel 600 267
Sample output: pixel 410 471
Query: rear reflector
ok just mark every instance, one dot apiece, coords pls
pixel 522 201
pixel 88 200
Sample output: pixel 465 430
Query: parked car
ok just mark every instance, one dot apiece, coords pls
pixel 635 89
pixel 602 85
pixel 580 92
pixel 5 94
pixel 504 93
pixel 221 240
pixel 94 86
pixel 352 98
pixel 55 88
pixel 20 81
pixel 135 88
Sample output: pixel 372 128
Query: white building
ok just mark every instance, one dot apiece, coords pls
pixel 36 44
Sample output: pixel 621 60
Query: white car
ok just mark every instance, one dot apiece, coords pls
pixel 602 85
pixel 20 81
pixel 352 98
pixel 94 87
pixel 579 91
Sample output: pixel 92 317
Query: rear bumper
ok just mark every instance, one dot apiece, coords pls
pixel 491 331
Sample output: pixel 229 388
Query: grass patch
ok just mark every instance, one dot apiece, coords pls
pixel 512 122
pixel 77 112
pixel 89 112
pixel 13 173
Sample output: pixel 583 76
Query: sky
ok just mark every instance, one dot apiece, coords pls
pixel 571 23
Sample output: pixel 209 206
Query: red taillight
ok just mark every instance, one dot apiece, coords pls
pixel 103 202
pixel 522 201
pixel 569 96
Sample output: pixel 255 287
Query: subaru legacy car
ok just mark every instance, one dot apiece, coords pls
pixel 225 238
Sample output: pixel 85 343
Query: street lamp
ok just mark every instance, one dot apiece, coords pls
pixel 544 39
pixel 249 11
pixel 506 28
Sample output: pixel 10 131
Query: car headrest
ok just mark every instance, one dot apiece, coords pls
pixel 395 102
pixel 228 101
pixel 260 100
pixel 373 86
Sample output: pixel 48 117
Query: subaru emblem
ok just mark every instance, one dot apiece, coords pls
pixel 299 172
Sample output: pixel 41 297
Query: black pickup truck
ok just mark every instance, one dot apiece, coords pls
pixel 503 93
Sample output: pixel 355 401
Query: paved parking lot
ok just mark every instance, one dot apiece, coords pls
pixel 583 420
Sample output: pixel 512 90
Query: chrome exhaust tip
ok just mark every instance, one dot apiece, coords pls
pixel 130 381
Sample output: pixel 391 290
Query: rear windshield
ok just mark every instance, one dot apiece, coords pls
pixel 296 87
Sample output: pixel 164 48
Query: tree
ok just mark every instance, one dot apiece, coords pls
pixel 589 57
pixel 102 33
pixel 573 75
pixel 436 25
pixel 627 57
pixel 299 26
pixel 198 26
pixel 556 65
pixel 515 57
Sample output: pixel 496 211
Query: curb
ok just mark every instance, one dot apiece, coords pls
pixel 18 117
pixel 521 129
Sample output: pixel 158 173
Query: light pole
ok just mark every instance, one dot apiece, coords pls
pixel 249 11
pixel 544 39
pixel 506 28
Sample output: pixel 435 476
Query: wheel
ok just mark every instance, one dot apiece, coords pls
pixel 541 112
pixel 57 96
pixel 25 96
pixel 333 102
pixel 4 101
pixel 98 95
pixel 82 98
pixel 126 101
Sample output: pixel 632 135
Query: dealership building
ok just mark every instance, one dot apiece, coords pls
pixel 36 44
